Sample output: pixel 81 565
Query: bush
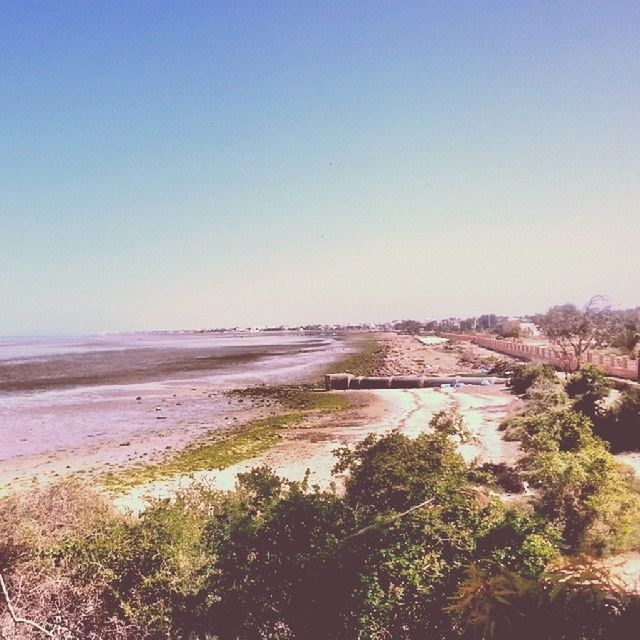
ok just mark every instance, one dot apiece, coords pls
pixel 587 388
pixel 32 523
pixel 508 478
pixel 542 397
pixel 578 600
pixel 580 485
pixel 386 559
pixel 525 376
pixel 620 426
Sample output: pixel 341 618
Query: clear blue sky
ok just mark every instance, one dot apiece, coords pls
pixel 191 164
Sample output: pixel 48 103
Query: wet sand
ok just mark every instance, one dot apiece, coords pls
pixel 90 404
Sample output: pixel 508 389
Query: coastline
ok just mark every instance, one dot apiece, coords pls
pixel 91 430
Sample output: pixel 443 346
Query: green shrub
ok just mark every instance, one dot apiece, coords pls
pixel 542 397
pixel 587 388
pixel 525 376
pixel 149 571
pixel 502 475
pixel 572 601
pixel 583 491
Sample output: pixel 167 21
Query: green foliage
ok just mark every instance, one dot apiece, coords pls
pixel 542 397
pixel 575 330
pixel 412 549
pixel 581 487
pixel 394 472
pixel 501 475
pixel 627 338
pixel 519 541
pixel 148 571
pixel 587 388
pixel 524 376
pixel 572 601
pixel 559 430
pixel 32 523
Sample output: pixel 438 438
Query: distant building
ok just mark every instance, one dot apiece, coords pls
pixel 526 328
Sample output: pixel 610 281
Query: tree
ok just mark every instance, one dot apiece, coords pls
pixel 408 326
pixel 627 334
pixel 576 331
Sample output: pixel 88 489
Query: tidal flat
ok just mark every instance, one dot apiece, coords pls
pixel 94 403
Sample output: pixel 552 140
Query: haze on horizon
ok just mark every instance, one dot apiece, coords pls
pixel 183 165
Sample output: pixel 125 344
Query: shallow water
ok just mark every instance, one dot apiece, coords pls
pixel 62 394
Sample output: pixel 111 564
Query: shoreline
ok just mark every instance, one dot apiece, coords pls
pixel 93 430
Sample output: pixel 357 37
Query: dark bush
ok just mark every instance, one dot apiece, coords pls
pixel 620 426
pixel 506 477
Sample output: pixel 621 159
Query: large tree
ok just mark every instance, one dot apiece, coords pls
pixel 576 331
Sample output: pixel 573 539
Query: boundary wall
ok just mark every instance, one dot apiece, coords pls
pixel 617 366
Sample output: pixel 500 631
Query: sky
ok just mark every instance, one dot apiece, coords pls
pixel 170 165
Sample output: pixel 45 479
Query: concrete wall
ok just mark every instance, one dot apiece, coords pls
pixel 619 366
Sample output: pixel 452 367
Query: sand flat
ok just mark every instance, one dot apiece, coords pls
pixel 77 408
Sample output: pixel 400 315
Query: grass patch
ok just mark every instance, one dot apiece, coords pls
pixel 222 451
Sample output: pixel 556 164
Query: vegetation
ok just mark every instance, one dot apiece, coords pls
pixel 620 425
pixel 416 545
pixel 367 359
pixel 413 548
pixel 587 388
pixel 581 488
pixel 577 331
pixel 627 336
pixel 499 475
pixel 298 397
pixel 411 327
pixel 524 376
